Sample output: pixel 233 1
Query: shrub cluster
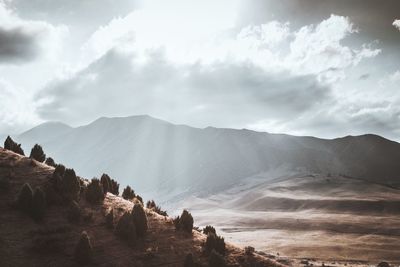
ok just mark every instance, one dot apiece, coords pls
pixel 128 193
pixel 109 185
pixel 153 206
pixel 94 192
pixel 132 224
pixel 249 250
pixel 13 146
pixel 83 250
pixel 37 153
pixel 32 203
pixel 63 186
pixel 184 222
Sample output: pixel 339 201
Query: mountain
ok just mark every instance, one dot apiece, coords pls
pixel 157 156
pixel 53 240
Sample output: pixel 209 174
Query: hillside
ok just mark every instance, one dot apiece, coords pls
pixel 52 241
pixel 155 155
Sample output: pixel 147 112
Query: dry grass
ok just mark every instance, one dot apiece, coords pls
pixel 52 242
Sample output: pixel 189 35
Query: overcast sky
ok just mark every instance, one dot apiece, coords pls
pixel 304 67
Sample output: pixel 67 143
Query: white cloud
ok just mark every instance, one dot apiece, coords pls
pixel 396 23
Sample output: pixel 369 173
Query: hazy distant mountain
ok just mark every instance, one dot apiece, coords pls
pixel 150 154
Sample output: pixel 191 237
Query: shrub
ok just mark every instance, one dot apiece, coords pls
pixel 110 219
pixel 70 185
pixel 83 250
pixel 126 229
pixel 106 182
pixel 152 206
pixel 138 199
pixel 249 250
pixel 59 170
pixel 140 220
pixel 25 197
pixel 128 193
pixel 50 162
pixel 216 259
pixel 184 222
pixel 74 212
pixel 13 146
pixel 209 229
pixel 37 153
pixel 215 242
pixel 94 192
pixel 38 204
pixel 114 187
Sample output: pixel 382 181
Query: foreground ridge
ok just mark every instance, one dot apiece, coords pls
pixel 53 240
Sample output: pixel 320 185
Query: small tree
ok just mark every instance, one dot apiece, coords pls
pixel 94 192
pixel 153 206
pixel 106 183
pixel 9 144
pixel 215 242
pixel 83 250
pixel 37 153
pixel 50 162
pixel 126 229
pixel 184 222
pixel 25 197
pixel 209 229
pixel 140 220
pixel 38 204
pixel 70 185
pixel 128 193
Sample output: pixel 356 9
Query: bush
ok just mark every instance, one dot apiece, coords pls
pixel 38 204
pixel 13 146
pixel 249 250
pixel 128 193
pixel 50 162
pixel 152 206
pixel 138 199
pixel 110 219
pixel 209 229
pixel 126 229
pixel 59 170
pixel 215 242
pixel 25 197
pixel 184 222
pixel 37 153
pixel 94 192
pixel 70 185
pixel 74 212
pixel 83 250
pixel 140 220
pixel 216 259
pixel 106 183
pixel 114 187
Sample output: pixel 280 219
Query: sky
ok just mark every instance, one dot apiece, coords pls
pixel 302 67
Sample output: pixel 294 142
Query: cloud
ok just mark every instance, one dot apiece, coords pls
pixel 22 40
pixel 224 93
pixel 396 23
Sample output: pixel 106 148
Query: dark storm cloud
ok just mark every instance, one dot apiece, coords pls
pixel 223 94
pixel 17 45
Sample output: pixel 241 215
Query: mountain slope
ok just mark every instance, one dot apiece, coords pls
pixel 156 155
pixel 51 242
